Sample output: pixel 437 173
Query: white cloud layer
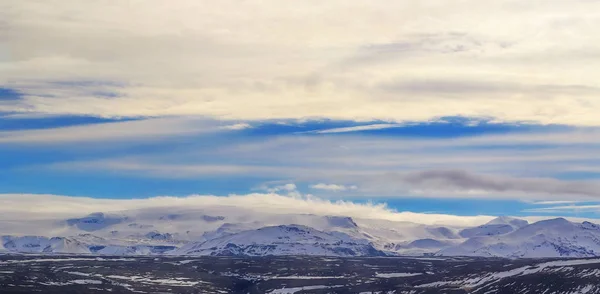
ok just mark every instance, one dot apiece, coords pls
pixel 36 206
pixel 252 60
pixel 333 187
pixel 135 130
pixel 359 128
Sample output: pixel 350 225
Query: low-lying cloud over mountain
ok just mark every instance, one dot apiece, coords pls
pixel 271 224
pixel 32 206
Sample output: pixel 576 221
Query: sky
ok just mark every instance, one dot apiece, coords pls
pixel 443 107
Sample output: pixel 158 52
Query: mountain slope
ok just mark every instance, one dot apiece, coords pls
pixel 498 226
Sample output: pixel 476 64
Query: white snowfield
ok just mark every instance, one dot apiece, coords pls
pixel 238 231
pixel 397 275
pixel 176 282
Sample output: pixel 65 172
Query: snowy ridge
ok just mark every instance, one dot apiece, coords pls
pixel 498 226
pixel 37 244
pixel 548 238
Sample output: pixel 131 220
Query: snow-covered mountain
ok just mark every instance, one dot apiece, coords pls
pixel 230 231
pixel 38 244
pixel 282 240
pixel 547 238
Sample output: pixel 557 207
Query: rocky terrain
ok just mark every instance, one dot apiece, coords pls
pixel 295 274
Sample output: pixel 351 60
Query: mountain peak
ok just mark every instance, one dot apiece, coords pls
pixel 560 221
pixel 342 222
pixel 508 220
pixel 590 225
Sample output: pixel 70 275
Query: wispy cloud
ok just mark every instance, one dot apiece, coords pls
pixel 238 126
pixel 553 202
pixel 575 208
pixel 143 129
pixel 449 180
pixel 333 187
pixel 285 188
pixel 358 128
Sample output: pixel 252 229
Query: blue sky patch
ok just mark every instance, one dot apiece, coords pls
pixel 33 121
pixel 8 94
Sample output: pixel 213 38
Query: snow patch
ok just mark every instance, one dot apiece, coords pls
pixel 396 275
pixel 298 289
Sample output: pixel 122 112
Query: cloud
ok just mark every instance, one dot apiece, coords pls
pixel 333 187
pixel 143 129
pixel 566 209
pixel 463 181
pixel 22 208
pixel 140 167
pixel 553 202
pixel 289 187
pixel 36 206
pixel 392 62
pixel 358 128
pixel 238 126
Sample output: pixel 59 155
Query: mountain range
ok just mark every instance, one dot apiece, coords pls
pixel 226 232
